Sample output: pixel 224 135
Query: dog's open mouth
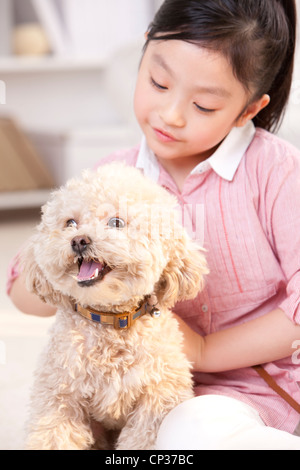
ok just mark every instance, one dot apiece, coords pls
pixel 91 271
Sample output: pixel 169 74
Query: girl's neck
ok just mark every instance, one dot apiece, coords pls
pixel 179 172
pixel 180 168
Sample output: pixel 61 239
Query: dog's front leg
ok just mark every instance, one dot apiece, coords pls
pixel 141 428
pixel 58 420
pixel 65 435
pixel 57 429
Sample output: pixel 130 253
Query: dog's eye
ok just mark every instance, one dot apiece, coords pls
pixel 116 222
pixel 71 223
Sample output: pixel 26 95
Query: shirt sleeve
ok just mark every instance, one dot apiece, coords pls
pixel 283 201
pixel 13 272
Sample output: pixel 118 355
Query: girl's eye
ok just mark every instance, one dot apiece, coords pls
pixel 71 223
pixel 157 85
pixel 116 222
pixel 203 110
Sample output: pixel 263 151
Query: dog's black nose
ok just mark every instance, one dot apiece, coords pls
pixel 79 244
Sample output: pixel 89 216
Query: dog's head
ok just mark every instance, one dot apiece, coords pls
pixel 109 239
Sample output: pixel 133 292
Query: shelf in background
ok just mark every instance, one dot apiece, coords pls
pixel 48 64
pixel 23 199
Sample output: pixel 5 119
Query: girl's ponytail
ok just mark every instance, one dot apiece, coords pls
pixel 271 116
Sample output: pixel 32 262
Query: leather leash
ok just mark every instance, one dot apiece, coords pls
pixel 272 384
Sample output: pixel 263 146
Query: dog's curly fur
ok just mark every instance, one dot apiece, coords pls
pixel 128 380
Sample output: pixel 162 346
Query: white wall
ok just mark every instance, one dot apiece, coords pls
pixel 290 129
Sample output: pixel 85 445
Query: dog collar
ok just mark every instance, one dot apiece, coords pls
pixel 120 321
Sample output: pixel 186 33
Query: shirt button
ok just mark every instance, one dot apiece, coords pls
pixel 204 308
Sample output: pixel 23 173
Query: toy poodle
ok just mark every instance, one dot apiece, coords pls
pixel 110 254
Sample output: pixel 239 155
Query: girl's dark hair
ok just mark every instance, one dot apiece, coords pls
pixel 257 37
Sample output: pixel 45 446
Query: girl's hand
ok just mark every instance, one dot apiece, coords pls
pixel 27 302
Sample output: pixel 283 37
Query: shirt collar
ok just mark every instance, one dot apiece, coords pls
pixel 224 161
pixel 147 161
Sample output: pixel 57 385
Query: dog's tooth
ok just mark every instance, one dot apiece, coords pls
pixel 97 272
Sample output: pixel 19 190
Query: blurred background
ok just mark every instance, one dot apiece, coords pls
pixel 67 77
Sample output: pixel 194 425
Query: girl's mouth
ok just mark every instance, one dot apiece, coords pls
pixel 164 136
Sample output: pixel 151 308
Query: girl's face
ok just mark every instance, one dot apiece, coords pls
pixel 187 100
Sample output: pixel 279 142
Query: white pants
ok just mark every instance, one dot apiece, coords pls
pixel 213 422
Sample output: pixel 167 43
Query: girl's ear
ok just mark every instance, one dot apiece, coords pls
pixel 252 110
pixel 183 277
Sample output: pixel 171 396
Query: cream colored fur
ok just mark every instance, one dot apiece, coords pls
pixel 125 379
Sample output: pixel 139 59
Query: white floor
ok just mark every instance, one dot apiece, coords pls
pixel 21 339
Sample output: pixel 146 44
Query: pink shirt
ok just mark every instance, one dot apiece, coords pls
pixel 243 205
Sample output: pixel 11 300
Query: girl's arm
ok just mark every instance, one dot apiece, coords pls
pixel 271 336
pixel 27 302
pixel 265 339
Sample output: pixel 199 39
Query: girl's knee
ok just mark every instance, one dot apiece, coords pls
pixel 204 423
pixel 213 422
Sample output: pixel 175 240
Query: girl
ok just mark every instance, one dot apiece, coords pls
pixel 213 81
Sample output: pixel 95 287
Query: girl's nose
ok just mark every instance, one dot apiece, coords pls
pixel 173 115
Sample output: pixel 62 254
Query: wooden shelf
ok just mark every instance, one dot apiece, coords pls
pixel 23 199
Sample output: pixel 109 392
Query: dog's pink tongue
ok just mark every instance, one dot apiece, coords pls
pixel 88 270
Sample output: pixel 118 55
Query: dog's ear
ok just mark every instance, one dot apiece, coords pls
pixel 36 281
pixel 183 277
